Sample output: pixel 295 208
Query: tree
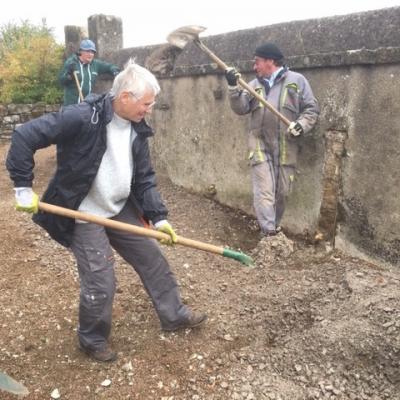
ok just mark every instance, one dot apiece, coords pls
pixel 30 60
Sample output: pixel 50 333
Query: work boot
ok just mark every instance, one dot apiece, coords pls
pixel 194 320
pixel 104 355
pixel 270 233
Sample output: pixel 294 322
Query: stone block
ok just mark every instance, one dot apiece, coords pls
pixel 106 32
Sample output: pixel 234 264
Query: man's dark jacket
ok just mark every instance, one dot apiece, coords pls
pixel 79 131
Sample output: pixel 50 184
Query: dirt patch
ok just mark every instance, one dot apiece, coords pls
pixel 305 323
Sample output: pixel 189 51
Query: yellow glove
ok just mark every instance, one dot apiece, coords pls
pixel 27 200
pixel 165 227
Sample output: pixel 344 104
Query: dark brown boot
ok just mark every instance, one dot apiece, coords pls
pixel 104 355
pixel 194 320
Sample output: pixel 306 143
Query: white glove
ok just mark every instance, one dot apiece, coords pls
pixel 295 128
pixel 27 199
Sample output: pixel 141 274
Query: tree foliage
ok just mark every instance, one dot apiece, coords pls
pixel 30 60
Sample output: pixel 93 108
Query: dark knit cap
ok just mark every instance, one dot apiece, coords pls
pixel 269 51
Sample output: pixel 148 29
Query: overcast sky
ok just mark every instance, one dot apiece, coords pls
pixel 149 22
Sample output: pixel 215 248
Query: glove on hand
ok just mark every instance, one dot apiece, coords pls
pixel 71 68
pixel 27 200
pixel 232 76
pixel 165 227
pixel 295 128
pixel 115 72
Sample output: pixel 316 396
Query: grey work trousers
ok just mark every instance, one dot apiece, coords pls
pixel 271 186
pixel 92 246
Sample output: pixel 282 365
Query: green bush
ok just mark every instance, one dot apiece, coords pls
pixel 30 60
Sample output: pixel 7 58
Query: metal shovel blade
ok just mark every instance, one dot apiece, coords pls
pixel 12 386
pixel 182 36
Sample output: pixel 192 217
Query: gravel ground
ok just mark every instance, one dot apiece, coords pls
pixel 305 322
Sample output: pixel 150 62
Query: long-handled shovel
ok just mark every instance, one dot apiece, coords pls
pixel 182 36
pixel 109 223
pixel 78 86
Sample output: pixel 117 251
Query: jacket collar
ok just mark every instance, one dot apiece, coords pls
pixel 101 105
pixel 278 78
pixel 142 128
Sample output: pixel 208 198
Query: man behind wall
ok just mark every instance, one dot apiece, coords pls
pixel 86 68
pixel 273 148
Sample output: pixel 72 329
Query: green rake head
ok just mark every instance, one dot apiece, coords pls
pixel 238 256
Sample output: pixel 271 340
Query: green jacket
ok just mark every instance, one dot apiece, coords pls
pixel 87 75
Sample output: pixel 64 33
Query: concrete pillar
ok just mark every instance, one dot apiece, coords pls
pixel 106 32
pixel 73 36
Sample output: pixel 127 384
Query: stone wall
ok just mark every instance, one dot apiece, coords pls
pixel 347 183
pixel 12 115
pixel 346 190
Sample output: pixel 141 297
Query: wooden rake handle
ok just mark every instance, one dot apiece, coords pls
pixel 138 230
pixel 78 86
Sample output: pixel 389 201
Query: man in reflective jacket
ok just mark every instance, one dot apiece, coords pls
pixel 273 147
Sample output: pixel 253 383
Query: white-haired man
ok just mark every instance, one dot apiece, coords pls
pixel 103 168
